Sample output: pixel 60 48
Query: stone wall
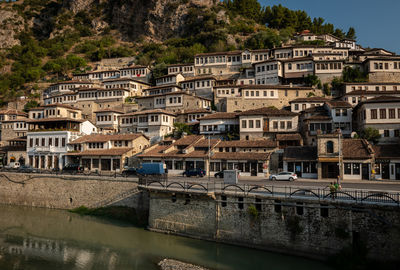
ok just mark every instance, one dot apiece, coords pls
pixel 302 227
pixel 384 77
pixel 68 192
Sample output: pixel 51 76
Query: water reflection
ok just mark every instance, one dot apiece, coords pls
pixel 51 239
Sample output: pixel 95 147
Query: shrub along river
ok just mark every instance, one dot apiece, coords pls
pixel 35 238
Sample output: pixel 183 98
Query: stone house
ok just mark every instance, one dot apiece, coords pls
pixel 187 70
pixel 266 123
pixel 140 73
pixel 381 113
pixel 333 156
pixel 199 85
pixel 231 98
pixel 134 86
pixel 99 152
pixel 107 120
pixel 154 124
pixel 219 124
pixel 301 104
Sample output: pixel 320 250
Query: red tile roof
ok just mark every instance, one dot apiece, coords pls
pixel 106 138
pixel 268 112
pixel 249 144
pixel 240 156
pixel 219 115
pixel 102 152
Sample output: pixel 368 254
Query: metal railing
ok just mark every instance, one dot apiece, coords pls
pixel 319 194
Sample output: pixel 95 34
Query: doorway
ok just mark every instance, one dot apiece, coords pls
pixel 330 170
pixel 385 171
pixel 365 171
pixel 253 169
pixel 397 171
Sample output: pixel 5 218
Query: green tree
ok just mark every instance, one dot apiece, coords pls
pixel 351 33
pixel 31 104
pixel 370 134
pixel 311 80
pixel 263 40
pixel 350 74
pixel 180 128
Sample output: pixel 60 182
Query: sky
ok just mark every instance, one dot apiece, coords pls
pixel 377 22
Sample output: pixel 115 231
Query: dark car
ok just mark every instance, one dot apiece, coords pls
pixel 129 172
pixel 194 172
pixel 72 168
pixel 26 169
pixel 219 174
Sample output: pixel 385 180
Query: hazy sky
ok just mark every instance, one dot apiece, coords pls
pixel 377 22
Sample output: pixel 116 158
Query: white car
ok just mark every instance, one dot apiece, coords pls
pixel 291 176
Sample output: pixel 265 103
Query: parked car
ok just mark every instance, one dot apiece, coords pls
pixel 219 174
pixel 129 172
pixel 27 169
pixel 72 168
pixel 156 168
pixel 291 176
pixel 194 172
pixel 12 165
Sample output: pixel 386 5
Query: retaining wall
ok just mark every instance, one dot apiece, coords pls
pixel 301 227
pixel 68 192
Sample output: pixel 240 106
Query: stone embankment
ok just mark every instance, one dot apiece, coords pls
pixel 68 192
pixel 169 264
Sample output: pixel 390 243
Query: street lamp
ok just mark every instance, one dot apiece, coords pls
pixel 340 156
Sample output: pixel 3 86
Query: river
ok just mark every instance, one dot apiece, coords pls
pixel 35 238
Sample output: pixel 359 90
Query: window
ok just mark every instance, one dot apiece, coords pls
pixel 356 168
pixel 275 124
pixel 251 124
pixel 392 113
pixel 296 107
pixel 347 168
pixel 386 133
pixel 244 124
pixel 337 112
pixel 56 142
pixel 344 112
pixel 282 125
pixel 258 123
pixel 382 113
pixel 397 133
pixel 374 114
pixel 329 147
pixel 289 124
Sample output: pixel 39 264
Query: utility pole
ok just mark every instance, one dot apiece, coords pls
pixel 340 156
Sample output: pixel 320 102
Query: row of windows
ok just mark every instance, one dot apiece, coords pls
pixel 260 57
pixel 326 66
pixel 267 67
pixel 100 75
pixel 267 80
pixel 121 143
pixel 377 88
pixel 340 112
pixel 165 80
pixel 383 113
pixel 251 123
pixel 96 145
pixel 301 66
pixel 257 93
pixel 211 59
pixel 180 69
pixel 121 85
pixel 282 124
pixel 48 142
pixel 133 72
pixel 144 119
pixel 101 118
pixel 396 65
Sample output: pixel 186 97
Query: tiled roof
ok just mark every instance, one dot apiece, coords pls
pixel 300 153
pixel 285 87
pixel 204 142
pixel 106 138
pixel 249 144
pixel 209 77
pixel 387 151
pixel 240 156
pixel 288 137
pixel 121 79
pixel 102 152
pixel 372 93
pixel 268 111
pixel 338 104
pixel 188 140
pixel 355 149
pixel 219 115
pixel 11 111
pixel 156 151
pixel 382 99
pixel 110 110
pixel 310 99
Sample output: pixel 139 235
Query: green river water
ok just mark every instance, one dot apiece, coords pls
pixel 34 238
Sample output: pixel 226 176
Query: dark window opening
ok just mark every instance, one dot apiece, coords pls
pixel 299 209
pixel 223 203
pixel 324 210
pixel 258 204
pixel 240 205
pixel 173 198
pixel 277 206
pixel 187 201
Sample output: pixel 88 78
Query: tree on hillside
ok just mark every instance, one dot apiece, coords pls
pixel 250 9
pixel 350 74
pixel 180 128
pixel 311 80
pixel 263 40
pixel 351 33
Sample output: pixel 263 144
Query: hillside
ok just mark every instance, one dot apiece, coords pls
pixel 42 41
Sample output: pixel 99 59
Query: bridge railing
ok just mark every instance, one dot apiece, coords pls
pixel 320 194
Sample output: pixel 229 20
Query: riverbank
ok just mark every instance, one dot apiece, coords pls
pixel 170 264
